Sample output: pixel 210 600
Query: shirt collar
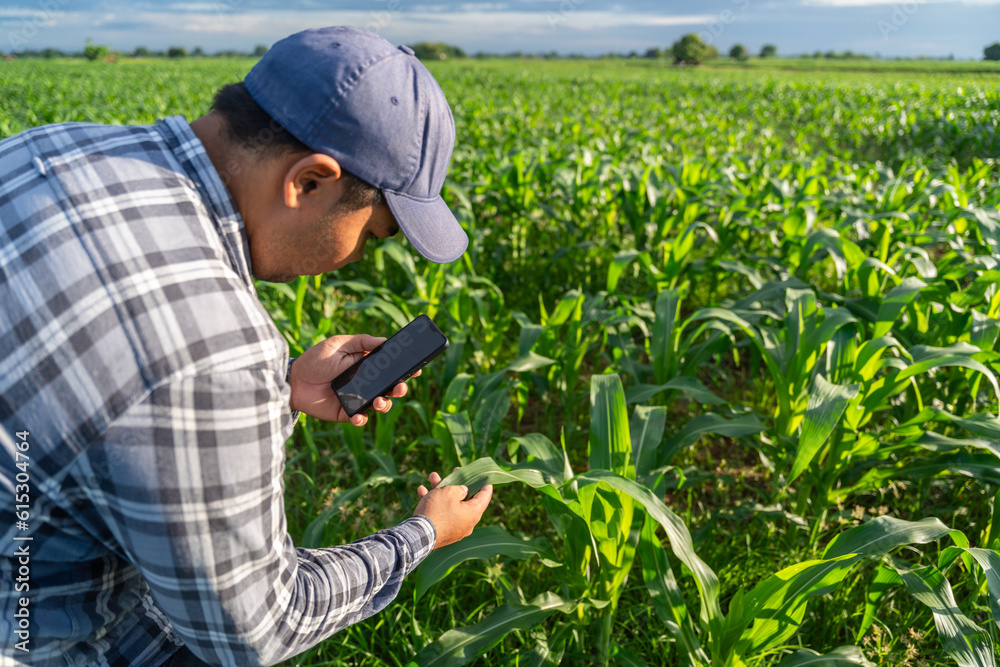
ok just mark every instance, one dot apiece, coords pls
pixel 199 168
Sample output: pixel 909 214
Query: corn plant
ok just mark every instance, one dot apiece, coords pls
pixel 597 514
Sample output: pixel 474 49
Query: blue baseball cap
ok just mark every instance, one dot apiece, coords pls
pixel 374 108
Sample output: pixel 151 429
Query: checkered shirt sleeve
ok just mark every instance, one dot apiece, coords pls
pixel 134 350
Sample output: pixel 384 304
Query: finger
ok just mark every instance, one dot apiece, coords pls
pixel 483 497
pixel 435 479
pixel 421 491
pixel 417 374
pixel 461 491
pixel 382 404
pixel 399 391
pixel 359 420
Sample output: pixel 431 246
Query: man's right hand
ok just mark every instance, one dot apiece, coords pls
pixel 453 516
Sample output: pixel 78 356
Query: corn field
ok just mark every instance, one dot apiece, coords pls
pixel 726 341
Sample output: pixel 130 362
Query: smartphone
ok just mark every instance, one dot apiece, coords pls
pixel 392 362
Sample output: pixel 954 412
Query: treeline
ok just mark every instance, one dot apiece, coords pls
pixel 104 52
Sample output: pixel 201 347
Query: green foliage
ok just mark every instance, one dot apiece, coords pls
pixel 177 52
pixel 690 50
pixel 437 51
pixel 94 52
pixel 739 52
pixel 768 51
pixel 992 52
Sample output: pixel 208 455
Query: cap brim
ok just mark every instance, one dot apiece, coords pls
pixel 429 225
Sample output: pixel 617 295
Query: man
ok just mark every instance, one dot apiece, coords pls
pixel 146 396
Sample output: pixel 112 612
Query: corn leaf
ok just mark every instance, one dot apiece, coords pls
pixel 843 656
pixel 666 596
pixel 646 433
pixel 484 542
pixel 898 298
pixel 827 403
pixel 989 560
pixel 459 646
pixel 883 534
pixel 547 458
pixel 691 386
pixel 965 641
pixel 610 447
pixel 485 471
pixel 680 539
pixel 737 427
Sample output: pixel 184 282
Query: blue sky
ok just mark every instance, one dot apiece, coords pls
pixel 886 27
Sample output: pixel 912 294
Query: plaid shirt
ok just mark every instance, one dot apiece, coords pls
pixel 146 508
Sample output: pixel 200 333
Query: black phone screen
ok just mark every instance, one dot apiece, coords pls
pixel 388 364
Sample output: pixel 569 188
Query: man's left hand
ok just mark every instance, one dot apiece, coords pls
pixel 312 372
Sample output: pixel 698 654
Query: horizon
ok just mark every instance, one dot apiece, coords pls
pixel 590 28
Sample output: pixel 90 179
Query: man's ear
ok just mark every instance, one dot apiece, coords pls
pixel 311 175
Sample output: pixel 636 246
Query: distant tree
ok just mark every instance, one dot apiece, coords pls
pixel 197 52
pixel 690 50
pixel 738 52
pixel 768 51
pixel 141 52
pixel 94 52
pixel 653 53
pixel 52 53
pixel 177 52
pixel 438 51
pixel 992 52
pixel 260 50
pixel 831 55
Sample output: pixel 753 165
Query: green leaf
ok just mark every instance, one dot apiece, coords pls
pixel 965 641
pixel 532 361
pixel 691 386
pixel 617 266
pixel 487 422
pixel 884 578
pixel 646 433
pixel 460 429
pixel 484 542
pixel 677 533
pixel 461 645
pixel 485 471
pixel 737 427
pixel 827 403
pixel 456 393
pixel 665 594
pixel 989 560
pixel 668 304
pixel 313 538
pixel 898 298
pixel 883 534
pixel 610 446
pixel 843 656
pixel 777 605
pixel 547 458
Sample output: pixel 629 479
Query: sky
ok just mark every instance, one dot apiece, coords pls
pixel 889 28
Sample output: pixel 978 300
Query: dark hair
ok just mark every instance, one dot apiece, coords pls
pixel 255 130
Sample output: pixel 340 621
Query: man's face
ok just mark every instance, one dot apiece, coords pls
pixel 303 246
